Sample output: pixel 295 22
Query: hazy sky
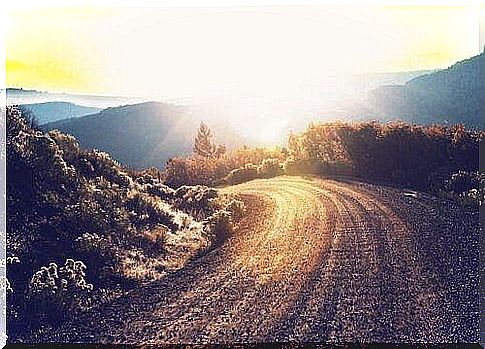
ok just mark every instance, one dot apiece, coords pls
pixel 173 52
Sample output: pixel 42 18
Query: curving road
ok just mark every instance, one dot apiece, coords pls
pixel 313 260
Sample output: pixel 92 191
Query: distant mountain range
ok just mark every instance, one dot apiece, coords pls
pixel 53 111
pixel 448 96
pixel 18 96
pixel 142 135
pixel 149 133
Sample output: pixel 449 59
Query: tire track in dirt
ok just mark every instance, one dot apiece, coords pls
pixel 313 260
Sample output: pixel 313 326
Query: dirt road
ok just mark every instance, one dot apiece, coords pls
pixel 314 260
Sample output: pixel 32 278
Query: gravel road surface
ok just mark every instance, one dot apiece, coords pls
pixel 314 260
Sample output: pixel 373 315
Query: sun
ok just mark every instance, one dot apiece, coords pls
pixel 271 132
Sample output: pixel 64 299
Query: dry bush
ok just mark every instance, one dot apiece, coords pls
pixel 54 290
pixel 402 153
pixel 243 174
pixel 68 203
pixel 270 168
pixel 466 187
pixel 212 171
pixel 294 166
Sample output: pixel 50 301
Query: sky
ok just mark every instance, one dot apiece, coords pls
pixel 175 52
pixel 259 65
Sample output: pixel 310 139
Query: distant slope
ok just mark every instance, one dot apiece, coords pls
pixel 364 83
pixel 447 96
pixel 16 96
pixel 53 111
pixel 141 135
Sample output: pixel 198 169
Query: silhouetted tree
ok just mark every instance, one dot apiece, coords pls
pixel 203 142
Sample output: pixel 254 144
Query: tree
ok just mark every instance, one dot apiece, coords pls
pixel 203 142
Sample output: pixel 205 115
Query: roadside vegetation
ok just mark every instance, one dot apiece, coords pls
pixel 82 229
pixel 213 165
pixel 439 159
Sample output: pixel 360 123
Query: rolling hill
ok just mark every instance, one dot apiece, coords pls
pixel 142 135
pixel 54 111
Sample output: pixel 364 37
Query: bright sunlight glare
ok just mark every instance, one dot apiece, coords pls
pixel 279 61
pixel 271 131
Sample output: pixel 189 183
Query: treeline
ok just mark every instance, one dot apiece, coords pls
pixel 216 170
pixel 213 165
pixel 82 229
pixel 397 152
pixel 440 159
pixel 432 158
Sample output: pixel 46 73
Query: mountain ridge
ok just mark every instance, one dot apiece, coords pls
pixel 447 96
pixel 156 132
pixel 57 110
